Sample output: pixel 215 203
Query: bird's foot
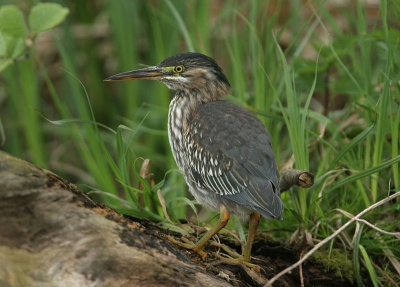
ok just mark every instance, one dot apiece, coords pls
pixel 187 244
pixel 236 257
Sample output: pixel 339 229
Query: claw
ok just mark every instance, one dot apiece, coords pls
pixel 237 261
pixel 236 257
pixel 187 244
pixel 199 246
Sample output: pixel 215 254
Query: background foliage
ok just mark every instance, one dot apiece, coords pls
pixel 323 78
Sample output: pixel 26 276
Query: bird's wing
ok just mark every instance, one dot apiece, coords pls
pixel 230 153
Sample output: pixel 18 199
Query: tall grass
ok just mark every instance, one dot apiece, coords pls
pixel 351 147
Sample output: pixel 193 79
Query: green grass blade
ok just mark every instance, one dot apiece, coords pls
pixel 368 264
pixel 395 126
pixel 181 25
pixel 356 259
pixel 350 145
pixel 382 118
pixel 365 173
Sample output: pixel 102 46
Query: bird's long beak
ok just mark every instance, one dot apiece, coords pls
pixel 149 73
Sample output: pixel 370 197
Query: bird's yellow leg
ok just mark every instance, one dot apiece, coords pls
pixel 198 247
pixel 253 225
pixel 246 251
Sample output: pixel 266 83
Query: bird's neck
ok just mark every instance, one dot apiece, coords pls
pixel 182 106
pixel 188 100
pixel 177 119
pixel 202 91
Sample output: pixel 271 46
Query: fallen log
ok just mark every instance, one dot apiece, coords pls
pixel 53 234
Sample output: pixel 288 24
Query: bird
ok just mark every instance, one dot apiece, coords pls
pixel 223 150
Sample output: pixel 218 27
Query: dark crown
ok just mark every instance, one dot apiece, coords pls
pixel 192 60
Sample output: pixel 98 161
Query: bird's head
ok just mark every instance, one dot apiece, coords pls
pixel 191 72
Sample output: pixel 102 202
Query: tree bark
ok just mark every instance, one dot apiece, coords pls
pixel 52 234
pixel 298 177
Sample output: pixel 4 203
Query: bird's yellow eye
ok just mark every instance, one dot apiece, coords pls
pixel 178 69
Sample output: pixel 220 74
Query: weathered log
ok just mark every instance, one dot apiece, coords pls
pixel 52 234
pixel 298 177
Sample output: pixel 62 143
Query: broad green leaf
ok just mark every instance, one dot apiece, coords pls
pixel 15 46
pixel 45 16
pixel 5 63
pixel 3 46
pixel 12 21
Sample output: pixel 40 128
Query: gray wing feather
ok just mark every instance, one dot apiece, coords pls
pixel 229 152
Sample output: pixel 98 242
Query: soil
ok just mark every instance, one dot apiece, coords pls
pixel 271 255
